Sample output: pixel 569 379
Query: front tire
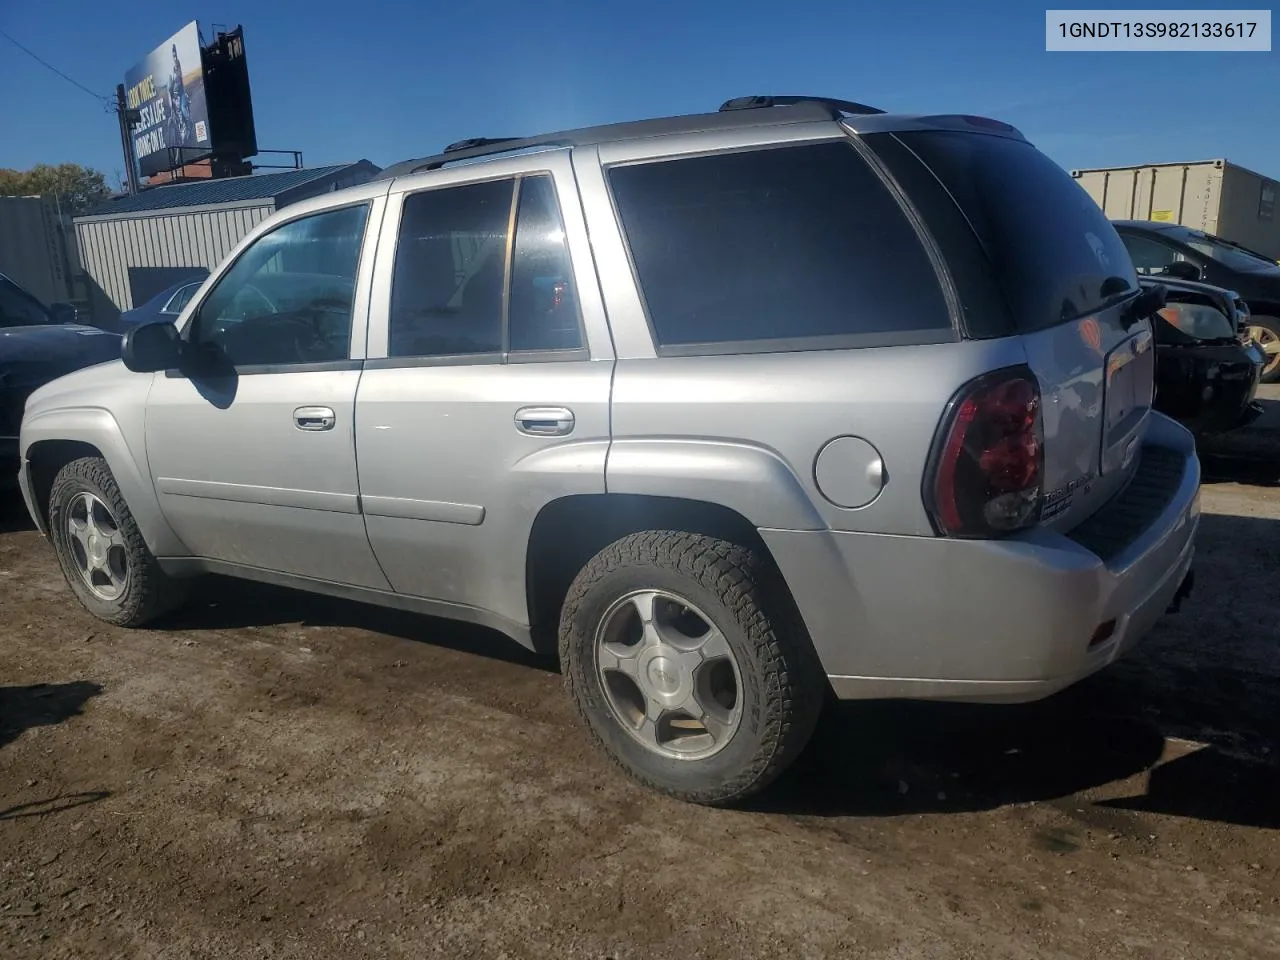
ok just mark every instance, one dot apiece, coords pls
pixel 688 662
pixel 1266 331
pixel 103 555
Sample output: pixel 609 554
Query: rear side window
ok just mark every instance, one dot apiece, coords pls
pixel 449 295
pixel 1054 251
pixel 446 296
pixel 800 245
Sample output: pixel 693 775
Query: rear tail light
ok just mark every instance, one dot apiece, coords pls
pixel 986 474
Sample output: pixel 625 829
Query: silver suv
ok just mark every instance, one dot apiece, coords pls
pixel 732 411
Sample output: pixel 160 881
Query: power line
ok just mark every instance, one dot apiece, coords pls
pixel 105 101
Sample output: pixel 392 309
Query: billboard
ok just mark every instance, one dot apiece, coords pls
pixel 168 91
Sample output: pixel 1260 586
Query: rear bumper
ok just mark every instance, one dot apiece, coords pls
pixel 1008 620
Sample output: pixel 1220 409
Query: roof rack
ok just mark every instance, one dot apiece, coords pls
pixel 807 108
pixel 471 148
pixel 474 142
pixel 837 107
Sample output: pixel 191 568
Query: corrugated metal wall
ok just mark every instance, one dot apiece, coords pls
pixel 32 251
pixel 110 247
pixel 1249 215
pixel 1214 196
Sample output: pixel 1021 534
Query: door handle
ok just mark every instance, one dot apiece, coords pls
pixel 314 418
pixel 545 421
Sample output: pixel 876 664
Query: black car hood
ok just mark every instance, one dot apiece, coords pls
pixel 64 347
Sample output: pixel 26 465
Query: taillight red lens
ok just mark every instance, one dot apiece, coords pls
pixel 987 470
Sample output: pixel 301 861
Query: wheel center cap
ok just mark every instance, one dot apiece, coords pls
pixel 664 675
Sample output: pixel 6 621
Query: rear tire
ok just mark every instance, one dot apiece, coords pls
pixel 1266 330
pixel 102 553
pixel 655 692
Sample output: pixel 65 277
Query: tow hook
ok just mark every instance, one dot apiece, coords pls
pixel 1184 591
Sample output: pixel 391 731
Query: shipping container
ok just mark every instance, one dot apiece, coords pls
pixel 34 252
pixel 1216 196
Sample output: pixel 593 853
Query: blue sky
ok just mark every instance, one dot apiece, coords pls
pixel 386 80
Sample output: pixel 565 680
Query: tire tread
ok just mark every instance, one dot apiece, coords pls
pixel 151 593
pixel 752 590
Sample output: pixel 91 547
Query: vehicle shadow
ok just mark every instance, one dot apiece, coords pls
pixel 1250 455
pixel 224 603
pixel 13 513
pixel 41 705
pixel 1196 705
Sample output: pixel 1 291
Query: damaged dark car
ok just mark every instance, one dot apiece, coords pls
pixel 1207 367
pixel 38 344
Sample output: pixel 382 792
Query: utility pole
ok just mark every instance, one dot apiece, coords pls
pixel 127 117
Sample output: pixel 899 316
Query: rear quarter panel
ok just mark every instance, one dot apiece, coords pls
pixel 699 427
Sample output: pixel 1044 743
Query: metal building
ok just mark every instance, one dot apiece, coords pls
pixel 133 247
pixel 1216 196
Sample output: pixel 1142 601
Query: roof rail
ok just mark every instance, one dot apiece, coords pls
pixel 806 108
pixel 469 149
pixel 837 107
pixel 474 142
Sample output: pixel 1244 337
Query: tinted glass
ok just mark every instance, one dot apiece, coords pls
pixel 181 298
pixel 446 296
pixel 543 311
pixel 1056 254
pixel 288 298
pixel 17 309
pixel 1233 257
pixel 1148 256
pixel 786 243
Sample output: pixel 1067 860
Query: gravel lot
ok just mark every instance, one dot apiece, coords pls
pixel 274 775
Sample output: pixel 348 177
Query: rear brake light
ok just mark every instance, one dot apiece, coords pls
pixel 986 475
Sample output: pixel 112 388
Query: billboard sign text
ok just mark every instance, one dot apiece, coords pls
pixel 168 91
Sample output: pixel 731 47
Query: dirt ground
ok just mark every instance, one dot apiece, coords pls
pixel 274 775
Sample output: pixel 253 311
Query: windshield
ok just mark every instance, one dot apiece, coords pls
pixel 18 308
pixel 1234 257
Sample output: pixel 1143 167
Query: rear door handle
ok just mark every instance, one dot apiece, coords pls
pixel 314 418
pixel 545 421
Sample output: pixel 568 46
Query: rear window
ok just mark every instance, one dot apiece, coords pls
pixel 802 245
pixel 1054 252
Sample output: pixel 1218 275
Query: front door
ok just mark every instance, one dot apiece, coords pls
pixel 252 445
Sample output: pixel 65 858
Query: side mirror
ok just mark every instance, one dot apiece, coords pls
pixel 1184 270
pixel 64 312
pixel 1151 300
pixel 151 347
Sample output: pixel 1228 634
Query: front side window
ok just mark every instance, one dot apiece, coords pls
pixel 797 244
pixel 288 299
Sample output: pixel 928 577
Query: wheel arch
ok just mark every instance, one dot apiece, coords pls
pixel 569 531
pixel 52 440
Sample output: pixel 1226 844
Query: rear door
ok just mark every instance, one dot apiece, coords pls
pixel 485 394
pixel 1068 281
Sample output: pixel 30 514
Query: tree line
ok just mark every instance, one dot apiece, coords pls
pixel 76 188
